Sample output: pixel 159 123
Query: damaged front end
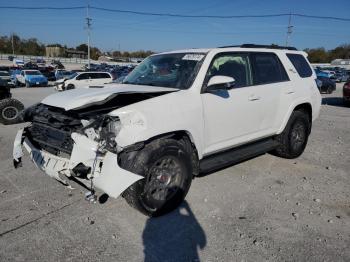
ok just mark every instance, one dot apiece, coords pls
pixel 68 145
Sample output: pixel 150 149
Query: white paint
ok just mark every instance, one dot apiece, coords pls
pixel 214 122
pixel 79 97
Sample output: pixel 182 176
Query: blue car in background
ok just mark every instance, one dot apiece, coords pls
pixel 321 73
pixel 31 78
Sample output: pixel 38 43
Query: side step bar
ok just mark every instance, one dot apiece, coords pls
pixel 236 155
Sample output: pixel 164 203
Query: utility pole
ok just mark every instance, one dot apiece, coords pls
pixel 289 29
pixel 13 46
pixel 88 27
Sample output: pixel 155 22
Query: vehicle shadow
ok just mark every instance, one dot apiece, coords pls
pixel 173 237
pixel 333 101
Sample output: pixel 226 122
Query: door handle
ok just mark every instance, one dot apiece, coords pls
pixel 290 92
pixel 253 98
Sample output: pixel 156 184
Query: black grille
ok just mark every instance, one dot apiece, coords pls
pixel 52 139
pixel 51 129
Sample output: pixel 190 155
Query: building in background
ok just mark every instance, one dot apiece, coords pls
pixel 54 51
pixel 59 51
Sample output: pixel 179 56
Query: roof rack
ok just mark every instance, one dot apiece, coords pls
pixel 262 46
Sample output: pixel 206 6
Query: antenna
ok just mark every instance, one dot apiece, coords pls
pixel 88 26
pixel 289 29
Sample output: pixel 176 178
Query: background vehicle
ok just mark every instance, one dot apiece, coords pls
pixel 84 79
pixel 5 76
pixel 61 74
pixel 50 75
pixel 327 85
pixel 30 78
pixel 341 76
pixel 18 63
pixel 57 64
pixel 346 93
pixel 9 107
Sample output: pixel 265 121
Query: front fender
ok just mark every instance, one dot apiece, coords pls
pixel 173 112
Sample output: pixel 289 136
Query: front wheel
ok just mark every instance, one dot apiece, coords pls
pixel 9 111
pixel 27 84
pixel 294 137
pixel 70 86
pixel 168 166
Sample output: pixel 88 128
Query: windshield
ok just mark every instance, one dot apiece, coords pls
pixel 168 70
pixel 32 73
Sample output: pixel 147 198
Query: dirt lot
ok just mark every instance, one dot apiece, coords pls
pixel 265 209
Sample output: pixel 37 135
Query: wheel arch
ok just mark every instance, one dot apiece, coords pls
pixel 178 134
pixel 302 106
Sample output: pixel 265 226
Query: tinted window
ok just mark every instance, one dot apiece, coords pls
pixel 300 64
pixel 233 65
pixel 104 75
pixel 267 68
pixel 95 75
pixel 82 77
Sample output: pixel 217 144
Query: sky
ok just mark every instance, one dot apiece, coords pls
pixel 127 32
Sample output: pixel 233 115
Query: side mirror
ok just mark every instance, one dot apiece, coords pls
pixel 220 83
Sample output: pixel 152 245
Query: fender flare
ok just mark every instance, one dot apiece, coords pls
pixel 291 108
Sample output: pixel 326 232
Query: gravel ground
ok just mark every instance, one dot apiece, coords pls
pixel 264 209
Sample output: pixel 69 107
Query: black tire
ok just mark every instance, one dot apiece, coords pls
pixel 27 84
pixel 165 163
pixel 70 86
pixel 294 137
pixel 346 102
pixel 10 110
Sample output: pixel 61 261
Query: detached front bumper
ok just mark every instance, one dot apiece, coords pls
pixel 104 170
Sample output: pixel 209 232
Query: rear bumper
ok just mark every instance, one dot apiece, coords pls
pixel 105 172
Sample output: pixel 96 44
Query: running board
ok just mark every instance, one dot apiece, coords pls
pixel 236 155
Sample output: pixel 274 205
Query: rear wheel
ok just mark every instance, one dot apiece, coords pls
pixel 168 166
pixel 294 138
pixel 9 111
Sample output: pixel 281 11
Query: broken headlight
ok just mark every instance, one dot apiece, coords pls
pixel 108 132
pixel 104 130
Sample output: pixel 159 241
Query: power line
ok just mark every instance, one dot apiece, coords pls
pixel 179 15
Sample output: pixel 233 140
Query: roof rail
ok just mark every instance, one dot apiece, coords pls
pixel 262 46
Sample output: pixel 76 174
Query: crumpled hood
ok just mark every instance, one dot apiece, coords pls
pixel 80 97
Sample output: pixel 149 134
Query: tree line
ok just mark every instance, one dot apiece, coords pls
pixel 33 46
pixel 321 55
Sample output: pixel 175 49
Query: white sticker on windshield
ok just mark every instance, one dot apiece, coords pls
pixel 194 57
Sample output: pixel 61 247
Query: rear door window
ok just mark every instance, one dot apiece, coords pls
pixel 300 64
pixel 267 69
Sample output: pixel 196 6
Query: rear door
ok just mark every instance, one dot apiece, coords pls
pixel 272 81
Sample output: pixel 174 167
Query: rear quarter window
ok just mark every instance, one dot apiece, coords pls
pixel 300 64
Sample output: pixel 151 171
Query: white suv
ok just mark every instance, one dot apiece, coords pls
pixel 177 114
pixel 84 79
